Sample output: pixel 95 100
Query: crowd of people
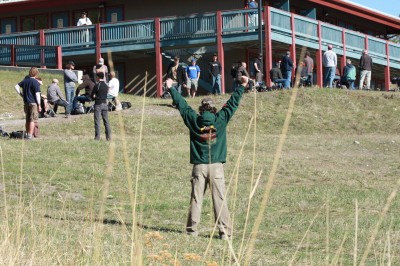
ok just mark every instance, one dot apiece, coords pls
pixel 281 73
pixel 100 91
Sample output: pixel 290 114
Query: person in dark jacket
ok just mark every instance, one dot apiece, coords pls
pixel 88 85
pixel 208 154
pixel 99 94
pixel 365 70
pixel 176 72
pixel 215 70
pixel 276 76
pixel 286 68
pixel 242 72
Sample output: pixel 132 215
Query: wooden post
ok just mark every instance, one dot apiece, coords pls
pixel 268 46
pixel 387 68
pixel 12 59
pixel 42 42
pixel 98 42
pixel 344 51
pixel 320 79
pixel 220 48
pixel 293 49
pixel 59 57
pixel 157 36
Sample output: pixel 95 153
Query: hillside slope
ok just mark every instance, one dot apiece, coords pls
pixel 68 198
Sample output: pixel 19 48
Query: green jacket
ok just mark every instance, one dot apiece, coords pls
pixel 207 146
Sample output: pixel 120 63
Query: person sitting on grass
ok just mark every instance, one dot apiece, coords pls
pixel 208 154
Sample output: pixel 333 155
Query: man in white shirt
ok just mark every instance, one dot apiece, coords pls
pixel 84 21
pixel 114 86
pixel 113 90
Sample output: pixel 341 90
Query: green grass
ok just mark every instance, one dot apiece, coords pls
pixel 60 204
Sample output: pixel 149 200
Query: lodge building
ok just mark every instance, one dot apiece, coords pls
pixel 141 37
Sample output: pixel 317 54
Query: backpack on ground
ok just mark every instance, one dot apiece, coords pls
pixel 126 105
pixel 79 109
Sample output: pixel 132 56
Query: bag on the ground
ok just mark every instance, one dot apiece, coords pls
pixel 111 107
pixel 79 109
pixel 126 105
pixel 166 95
pixel 17 134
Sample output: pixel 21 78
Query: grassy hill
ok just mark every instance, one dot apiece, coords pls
pixel 67 199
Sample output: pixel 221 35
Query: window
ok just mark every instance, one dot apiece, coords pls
pixel 36 22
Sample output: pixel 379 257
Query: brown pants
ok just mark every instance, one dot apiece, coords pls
pixel 202 175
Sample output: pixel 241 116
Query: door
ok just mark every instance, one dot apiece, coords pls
pixel 114 14
pixel 8 25
pixel 59 20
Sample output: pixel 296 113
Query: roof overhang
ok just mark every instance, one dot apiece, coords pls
pixel 17 6
pixel 360 11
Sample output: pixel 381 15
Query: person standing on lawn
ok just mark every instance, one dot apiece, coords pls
pixel 208 154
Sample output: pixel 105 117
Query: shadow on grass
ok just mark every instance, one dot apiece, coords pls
pixel 107 221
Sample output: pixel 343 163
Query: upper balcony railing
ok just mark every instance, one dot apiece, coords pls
pixel 140 34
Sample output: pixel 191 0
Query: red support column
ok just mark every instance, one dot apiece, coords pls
pixel 268 46
pixel 366 42
pixel 12 59
pixel 59 57
pixel 42 42
pixel 220 48
pixel 387 68
pixel 98 42
pixel 293 47
pixel 344 51
pixel 319 58
pixel 159 75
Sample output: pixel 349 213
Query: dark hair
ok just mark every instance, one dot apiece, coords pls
pixel 176 57
pixel 308 53
pixel 207 105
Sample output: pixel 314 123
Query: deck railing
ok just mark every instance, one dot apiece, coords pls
pixel 30 55
pixel 141 33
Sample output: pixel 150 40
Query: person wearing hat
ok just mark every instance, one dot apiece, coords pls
pixel 69 83
pixel 192 75
pixel 329 60
pixel 101 67
pixel 215 71
pixel 56 98
pixel 208 151
pixel 87 84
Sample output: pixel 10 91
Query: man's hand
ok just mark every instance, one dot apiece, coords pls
pixel 168 83
pixel 39 108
